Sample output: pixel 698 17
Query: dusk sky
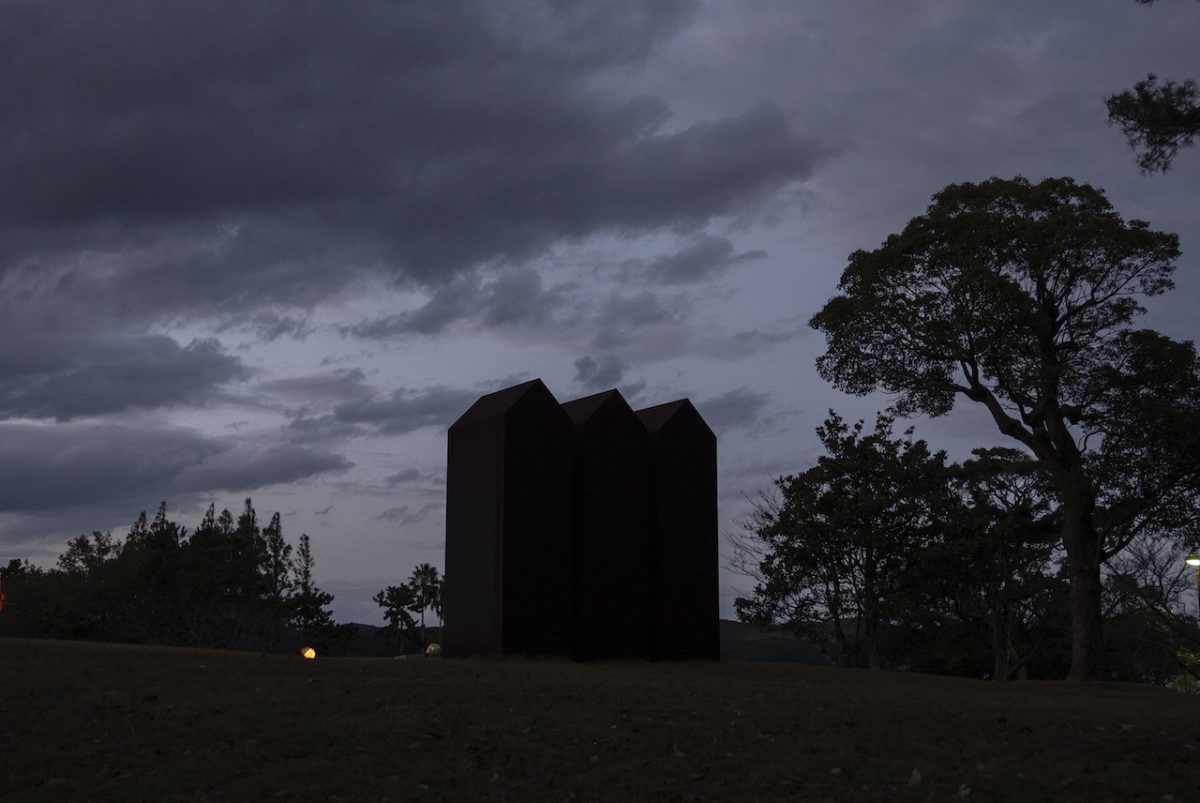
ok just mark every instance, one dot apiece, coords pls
pixel 274 249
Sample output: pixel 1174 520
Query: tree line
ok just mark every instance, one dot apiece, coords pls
pixel 229 583
pixel 886 555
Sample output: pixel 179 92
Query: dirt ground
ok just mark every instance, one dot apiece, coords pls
pixel 108 722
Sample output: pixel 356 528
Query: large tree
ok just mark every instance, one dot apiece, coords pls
pixel 1018 297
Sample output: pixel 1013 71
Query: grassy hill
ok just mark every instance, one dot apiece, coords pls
pixel 83 721
pixel 743 642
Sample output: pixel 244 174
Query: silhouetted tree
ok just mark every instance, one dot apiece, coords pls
pixel 225 585
pixel 996 574
pixel 1154 638
pixel 839 550
pixel 25 598
pixel 397 603
pixel 87 600
pixel 150 560
pixel 309 603
pixel 226 593
pixel 277 560
pixel 1018 297
pixel 427 592
pixel 1158 120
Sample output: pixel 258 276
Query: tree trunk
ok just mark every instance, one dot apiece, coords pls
pixel 869 612
pixel 871 632
pixel 999 653
pixel 873 651
pixel 1088 658
pixel 1000 633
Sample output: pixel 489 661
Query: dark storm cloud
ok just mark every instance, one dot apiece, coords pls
pixel 408 410
pixel 401 477
pixel 324 388
pixel 597 375
pixel 643 309
pixel 270 326
pixel 513 297
pixel 247 466
pixel 518 297
pixel 705 257
pixel 742 344
pixel 450 302
pixel 45 468
pixel 321 429
pixel 207 158
pixel 80 372
pixel 620 316
pixel 406 514
pixel 739 408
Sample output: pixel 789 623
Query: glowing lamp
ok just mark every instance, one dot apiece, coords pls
pixel 1192 560
pixel 309 653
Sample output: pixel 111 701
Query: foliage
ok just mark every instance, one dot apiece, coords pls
pixel 1153 638
pixel 227 584
pixel 984 592
pixel 427 592
pixel 839 550
pixel 397 603
pixel 1018 297
pixel 1158 120
pixel 1147 403
pixel 422 592
pixel 993 581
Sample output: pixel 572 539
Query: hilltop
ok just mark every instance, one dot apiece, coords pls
pixel 114 722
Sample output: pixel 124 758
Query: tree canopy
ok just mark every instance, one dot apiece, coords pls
pixel 422 592
pixel 1020 297
pixel 838 548
pixel 1158 120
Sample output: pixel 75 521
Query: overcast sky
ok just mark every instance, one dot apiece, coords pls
pixel 274 249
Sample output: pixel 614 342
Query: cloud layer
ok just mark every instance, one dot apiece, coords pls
pixel 216 159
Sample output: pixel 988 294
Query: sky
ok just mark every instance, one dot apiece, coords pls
pixel 274 250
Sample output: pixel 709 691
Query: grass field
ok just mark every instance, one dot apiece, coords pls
pixel 108 722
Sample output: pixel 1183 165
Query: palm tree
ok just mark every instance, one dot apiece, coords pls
pixel 427 590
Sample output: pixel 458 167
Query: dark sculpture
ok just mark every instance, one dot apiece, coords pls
pixel 684 606
pixel 508 526
pixel 610 548
pixel 581 529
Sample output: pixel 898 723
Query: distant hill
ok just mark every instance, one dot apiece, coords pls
pixel 743 642
pixel 739 642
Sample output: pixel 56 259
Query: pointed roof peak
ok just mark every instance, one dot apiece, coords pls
pixel 580 410
pixel 656 417
pixel 498 402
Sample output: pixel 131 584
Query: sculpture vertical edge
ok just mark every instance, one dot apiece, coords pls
pixel 508 526
pixel 685 602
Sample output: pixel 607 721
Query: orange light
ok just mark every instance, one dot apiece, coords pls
pixel 309 653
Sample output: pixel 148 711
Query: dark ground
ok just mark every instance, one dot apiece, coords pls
pixel 106 722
